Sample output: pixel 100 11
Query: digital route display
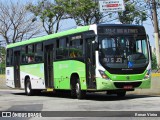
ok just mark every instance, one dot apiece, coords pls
pixel 120 30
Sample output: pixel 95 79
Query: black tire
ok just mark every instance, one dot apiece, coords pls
pixel 121 94
pixel 80 93
pixel 73 89
pixel 76 91
pixel 28 89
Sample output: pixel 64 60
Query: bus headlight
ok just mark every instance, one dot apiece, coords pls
pixel 147 74
pixel 103 74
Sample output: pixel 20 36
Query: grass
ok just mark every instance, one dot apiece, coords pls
pixel 2 76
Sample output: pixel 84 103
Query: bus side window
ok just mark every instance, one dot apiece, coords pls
pixel 23 55
pixel 30 53
pixel 62 48
pixel 38 52
pixel 76 48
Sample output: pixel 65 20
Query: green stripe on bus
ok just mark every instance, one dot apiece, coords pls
pixel 52 36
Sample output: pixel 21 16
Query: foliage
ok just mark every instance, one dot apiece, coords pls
pixel 154 61
pixel 50 14
pixel 16 24
pixel 84 12
pixel 2 57
pixel 149 6
pixel 134 13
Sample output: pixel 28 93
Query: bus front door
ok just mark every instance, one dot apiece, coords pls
pixel 17 69
pixel 90 65
pixel 48 65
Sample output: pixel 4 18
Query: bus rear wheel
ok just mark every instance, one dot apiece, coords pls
pixel 28 89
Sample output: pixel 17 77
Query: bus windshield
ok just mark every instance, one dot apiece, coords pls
pixel 123 51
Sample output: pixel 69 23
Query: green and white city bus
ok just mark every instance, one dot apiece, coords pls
pixel 106 57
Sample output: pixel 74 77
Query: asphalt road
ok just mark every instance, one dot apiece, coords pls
pixel 95 105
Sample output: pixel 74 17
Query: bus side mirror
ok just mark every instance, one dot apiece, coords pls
pixel 150 51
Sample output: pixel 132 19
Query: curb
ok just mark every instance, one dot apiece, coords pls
pixel 155 74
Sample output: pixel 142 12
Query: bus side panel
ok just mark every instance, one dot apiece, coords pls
pixel 146 84
pixel 63 71
pixel 35 73
pixel 10 77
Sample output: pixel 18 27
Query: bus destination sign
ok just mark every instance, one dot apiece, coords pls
pixel 119 31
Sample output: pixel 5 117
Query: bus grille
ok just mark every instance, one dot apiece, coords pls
pixel 122 84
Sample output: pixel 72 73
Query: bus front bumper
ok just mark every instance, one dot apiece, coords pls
pixel 104 84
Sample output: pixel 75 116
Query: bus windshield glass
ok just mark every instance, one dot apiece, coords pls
pixel 123 51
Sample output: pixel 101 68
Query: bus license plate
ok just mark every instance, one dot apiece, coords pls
pixel 128 87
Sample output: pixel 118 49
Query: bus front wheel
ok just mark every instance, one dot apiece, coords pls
pixel 76 89
pixel 80 93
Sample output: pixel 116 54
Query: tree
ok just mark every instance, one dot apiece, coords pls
pixel 84 12
pixel 149 5
pixel 2 59
pixel 16 24
pixel 154 61
pixel 135 12
pixel 50 14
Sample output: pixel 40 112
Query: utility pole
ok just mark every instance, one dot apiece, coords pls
pixel 0 58
pixel 156 31
pixel 0 48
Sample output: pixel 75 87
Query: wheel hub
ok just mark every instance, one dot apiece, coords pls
pixel 77 88
pixel 28 88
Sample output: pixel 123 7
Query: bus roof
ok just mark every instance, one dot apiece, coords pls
pixel 47 37
pixel 64 33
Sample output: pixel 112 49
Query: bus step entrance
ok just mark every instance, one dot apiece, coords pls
pixel 49 90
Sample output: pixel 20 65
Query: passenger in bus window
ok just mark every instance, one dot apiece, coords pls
pixel 72 54
pixel 30 59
